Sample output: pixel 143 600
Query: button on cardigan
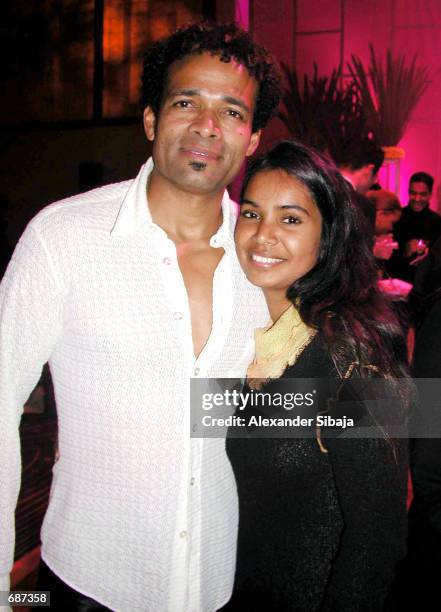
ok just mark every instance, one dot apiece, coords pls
pixel 141 516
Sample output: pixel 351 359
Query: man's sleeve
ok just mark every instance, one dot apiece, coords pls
pixel 30 324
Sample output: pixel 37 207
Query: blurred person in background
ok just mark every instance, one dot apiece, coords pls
pixel 360 163
pixel 387 213
pixel 385 249
pixel 418 228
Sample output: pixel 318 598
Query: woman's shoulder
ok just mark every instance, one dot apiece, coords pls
pixel 315 361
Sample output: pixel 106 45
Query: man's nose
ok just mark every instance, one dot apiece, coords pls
pixel 206 124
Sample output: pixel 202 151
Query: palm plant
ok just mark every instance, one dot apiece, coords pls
pixel 321 113
pixel 388 94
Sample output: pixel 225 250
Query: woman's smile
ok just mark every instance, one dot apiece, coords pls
pixel 264 262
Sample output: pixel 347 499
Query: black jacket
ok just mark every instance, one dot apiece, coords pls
pixel 317 532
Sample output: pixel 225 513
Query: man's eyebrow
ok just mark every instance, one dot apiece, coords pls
pixel 183 92
pixel 281 207
pixel 236 102
pixel 197 92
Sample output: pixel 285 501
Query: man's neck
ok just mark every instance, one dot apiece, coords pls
pixel 185 217
pixel 353 178
pixel 347 178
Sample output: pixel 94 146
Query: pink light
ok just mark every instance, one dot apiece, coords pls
pixel 242 13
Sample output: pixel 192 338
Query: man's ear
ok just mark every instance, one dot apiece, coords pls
pixel 149 119
pixel 369 170
pixel 254 143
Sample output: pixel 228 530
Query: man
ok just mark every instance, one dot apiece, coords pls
pixel 418 228
pixel 360 163
pixel 388 212
pixel 129 291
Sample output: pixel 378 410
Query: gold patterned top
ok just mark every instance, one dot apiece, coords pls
pixel 278 346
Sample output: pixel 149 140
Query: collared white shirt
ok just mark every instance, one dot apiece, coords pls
pixel 141 516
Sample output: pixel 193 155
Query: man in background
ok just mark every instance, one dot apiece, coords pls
pixel 360 163
pixel 129 291
pixel 387 214
pixel 418 228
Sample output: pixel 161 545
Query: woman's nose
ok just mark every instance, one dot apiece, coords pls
pixel 266 234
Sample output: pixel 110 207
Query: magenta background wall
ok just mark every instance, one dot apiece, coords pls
pixel 300 32
pixel 41 165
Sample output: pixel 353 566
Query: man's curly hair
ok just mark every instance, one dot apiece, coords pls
pixel 224 40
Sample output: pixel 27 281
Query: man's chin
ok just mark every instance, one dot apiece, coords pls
pixel 201 180
pixel 418 208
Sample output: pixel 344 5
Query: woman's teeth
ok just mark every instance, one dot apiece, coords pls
pixel 264 260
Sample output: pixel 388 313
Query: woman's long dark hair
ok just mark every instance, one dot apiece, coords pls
pixel 339 296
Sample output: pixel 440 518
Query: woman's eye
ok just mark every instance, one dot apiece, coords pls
pixel 291 220
pixel 248 214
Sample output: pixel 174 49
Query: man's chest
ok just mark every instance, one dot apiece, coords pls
pixel 198 268
pixel 133 305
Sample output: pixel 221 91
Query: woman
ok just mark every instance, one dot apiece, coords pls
pixel 322 520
